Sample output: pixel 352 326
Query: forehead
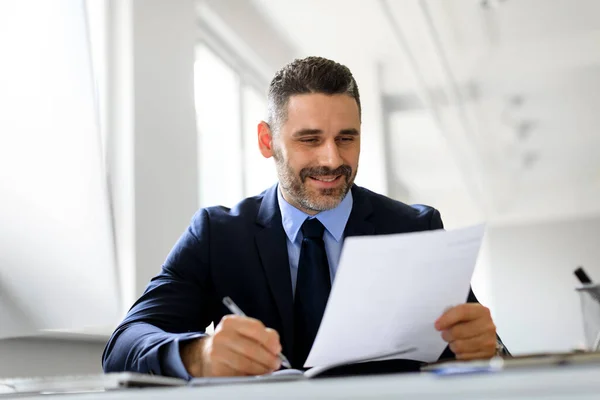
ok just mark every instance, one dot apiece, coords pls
pixel 319 108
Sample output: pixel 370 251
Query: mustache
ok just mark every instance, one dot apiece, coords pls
pixel 344 170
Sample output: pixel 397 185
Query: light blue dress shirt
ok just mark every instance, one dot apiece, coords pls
pixel 334 221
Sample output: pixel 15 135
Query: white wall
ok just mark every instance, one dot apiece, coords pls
pixel 166 175
pixel 532 284
pixel 152 135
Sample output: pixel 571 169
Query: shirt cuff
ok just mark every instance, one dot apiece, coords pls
pixel 171 362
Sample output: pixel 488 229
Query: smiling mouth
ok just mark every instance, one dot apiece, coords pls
pixel 325 178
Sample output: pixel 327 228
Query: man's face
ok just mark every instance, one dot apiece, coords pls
pixel 316 150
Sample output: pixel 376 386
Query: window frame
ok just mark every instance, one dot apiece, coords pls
pixel 248 77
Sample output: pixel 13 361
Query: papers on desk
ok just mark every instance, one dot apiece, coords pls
pixel 289 374
pixel 388 292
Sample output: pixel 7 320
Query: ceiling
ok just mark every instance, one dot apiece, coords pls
pixel 504 125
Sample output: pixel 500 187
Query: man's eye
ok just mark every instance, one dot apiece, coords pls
pixel 308 140
pixel 347 139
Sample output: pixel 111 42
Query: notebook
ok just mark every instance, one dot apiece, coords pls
pixel 294 374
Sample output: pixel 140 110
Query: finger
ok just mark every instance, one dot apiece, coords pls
pixel 471 329
pixel 483 343
pixel 273 343
pixel 227 362
pixel 246 326
pixel 484 355
pixel 211 365
pixel 253 329
pixel 461 313
pixel 254 351
pixel 217 367
pixel 238 322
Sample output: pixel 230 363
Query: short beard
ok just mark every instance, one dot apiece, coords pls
pixel 294 185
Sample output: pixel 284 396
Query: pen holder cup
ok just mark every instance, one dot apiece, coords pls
pixel 589 296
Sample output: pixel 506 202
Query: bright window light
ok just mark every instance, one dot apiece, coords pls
pixel 217 93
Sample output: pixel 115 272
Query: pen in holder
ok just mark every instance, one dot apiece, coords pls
pixel 589 296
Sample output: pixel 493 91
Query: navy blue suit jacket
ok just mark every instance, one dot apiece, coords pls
pixel 242 253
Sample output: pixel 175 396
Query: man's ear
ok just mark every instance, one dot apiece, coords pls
pixel 265 139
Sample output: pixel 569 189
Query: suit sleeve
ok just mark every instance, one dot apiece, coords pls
pixel 175 307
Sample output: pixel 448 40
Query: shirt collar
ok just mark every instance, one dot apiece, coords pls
pixel 334 220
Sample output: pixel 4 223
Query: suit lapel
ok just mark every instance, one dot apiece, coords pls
pixel 272 248
pixel 358 223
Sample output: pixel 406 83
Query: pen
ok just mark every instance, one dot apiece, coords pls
pixel 238 311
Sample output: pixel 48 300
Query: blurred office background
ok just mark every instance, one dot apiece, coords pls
pixel 486 110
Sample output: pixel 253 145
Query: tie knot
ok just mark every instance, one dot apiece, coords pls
pixel 313 228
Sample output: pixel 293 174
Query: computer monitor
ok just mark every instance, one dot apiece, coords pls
pixel 57 260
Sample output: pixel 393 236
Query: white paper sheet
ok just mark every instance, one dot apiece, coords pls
pixel 389 290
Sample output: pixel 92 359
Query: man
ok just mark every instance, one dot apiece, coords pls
pixel 276 254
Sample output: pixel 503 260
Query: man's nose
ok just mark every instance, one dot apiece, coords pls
pixel 329 155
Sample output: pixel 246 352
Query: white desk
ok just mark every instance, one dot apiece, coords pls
pixel 574 382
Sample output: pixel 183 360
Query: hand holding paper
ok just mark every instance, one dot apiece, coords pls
pixel 390 290
pixel 469 330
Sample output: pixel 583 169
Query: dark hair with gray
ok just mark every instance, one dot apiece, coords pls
pixel 308 75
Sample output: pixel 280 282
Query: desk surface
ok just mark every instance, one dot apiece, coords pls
pixel 572 382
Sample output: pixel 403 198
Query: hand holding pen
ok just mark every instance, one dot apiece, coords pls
pixel 240 346
pixel 238 311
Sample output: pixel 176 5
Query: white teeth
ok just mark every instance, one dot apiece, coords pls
pixel 325 179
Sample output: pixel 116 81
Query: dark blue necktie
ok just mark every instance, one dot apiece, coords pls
pixel 313 285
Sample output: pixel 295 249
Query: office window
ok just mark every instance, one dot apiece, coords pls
pixel 259 172
pixel 96 18
pixel 217 96
pixel 57 259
